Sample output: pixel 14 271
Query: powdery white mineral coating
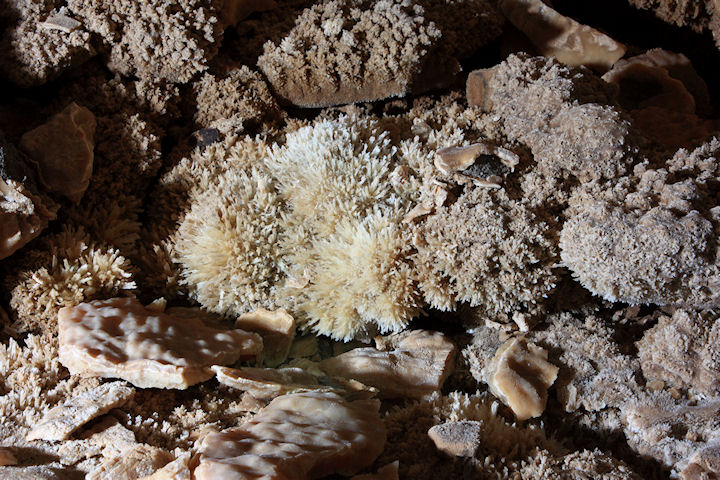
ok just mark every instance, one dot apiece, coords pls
pixel 555 35
pixel 519 374
pixel 120 338
pixel 296 437
pixel 60 422
pixel 683 350
pixel 413 364
pixel 62 148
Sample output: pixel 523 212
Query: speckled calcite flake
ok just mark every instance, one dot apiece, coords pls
pixel 297 436
pixel 120 338
pixel 61 421
pixel 412 364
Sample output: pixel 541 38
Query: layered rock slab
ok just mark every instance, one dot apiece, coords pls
pixel 297 436
pixel 120 338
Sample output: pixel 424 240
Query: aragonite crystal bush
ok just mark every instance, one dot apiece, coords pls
pixel 379 239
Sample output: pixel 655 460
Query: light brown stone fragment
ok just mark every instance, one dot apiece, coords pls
pixel 388 472
pixel 61 421
pixel 268 383
pixel 453 159
pixel 108 437
pixel 704 464
pixel 457 439
pixel 179 469
pixel 277 329
pixel 519 375
pixel 135 462
pixel 61 22
pixel 297 436
pixel 555 35
pixel 412 364
pixel 477 88
pixel 7 457
pixel 120 338
pixel 62 148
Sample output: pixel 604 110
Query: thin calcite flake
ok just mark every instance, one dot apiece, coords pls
pixel 120 338
pixel 61 421
pixel 268 383
pixel 296 437
pixel 412 364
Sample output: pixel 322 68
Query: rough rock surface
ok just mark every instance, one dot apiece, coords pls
pixel 60 422
pixel 411 364
pixel 459 439
pixel 373 50
pixel 120 338
pixel 132 463
pixel 304 435
pixel 683 350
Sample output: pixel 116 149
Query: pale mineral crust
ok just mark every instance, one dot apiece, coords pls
pixel 132 463
pixel 62 149
pixel 412 364
pixel 39 42
pixel 672 431
pixel 119 338
pixel 373 50
pixel 303 435
pixel 236 101
pixel 683 350
pixel 555 35
pixel 60 422
pixel 704 464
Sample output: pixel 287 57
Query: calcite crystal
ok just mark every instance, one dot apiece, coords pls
pixel 63 149
pixel 555 35
pixel 411 364
pixel 122 339
pixel 520 376
pixel 60 422
pixel 297 436
pixel 267 383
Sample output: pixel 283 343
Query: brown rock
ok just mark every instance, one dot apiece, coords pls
pixel 411 364
pixel 120 338
pixel 277 329
pixel 520 375
pixel 135 462
pixel 298 436
pixel 7 457
pixel 61 421
pixel 23 216
pixel 457 439
pixel 388 472
pixel 555 35
pixel 62 149
pixel 704 464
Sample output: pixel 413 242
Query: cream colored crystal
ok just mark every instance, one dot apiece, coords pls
pixel 62 148
pixel 120 338
pixel 412 364
pixel 520 375
pixel 135 462
pixel 297 436
pixel 277 329
pixel 555 35
pixel 268 383
pixel 61 421
pixel 178 469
